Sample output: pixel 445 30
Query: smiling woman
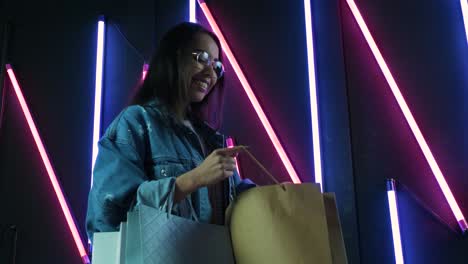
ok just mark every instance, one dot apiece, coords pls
pixel 206 67
pixel 188 56
pixel 201 81
pixel 164 148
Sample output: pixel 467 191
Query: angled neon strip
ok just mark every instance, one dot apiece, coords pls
pixel 409 117
pixel 98 92
pixel 313 95
pixel 48 165
pixel 464 8
pixel 248 89
pixel 393 208
pixel 192 13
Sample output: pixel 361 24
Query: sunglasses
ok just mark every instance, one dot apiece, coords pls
pixel 204 58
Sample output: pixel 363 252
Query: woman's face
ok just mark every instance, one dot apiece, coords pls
pixel 203 76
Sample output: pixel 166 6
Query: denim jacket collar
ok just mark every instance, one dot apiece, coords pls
pixel 213 138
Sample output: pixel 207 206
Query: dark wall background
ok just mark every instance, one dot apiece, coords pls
pixel 425 47
pixel 364 136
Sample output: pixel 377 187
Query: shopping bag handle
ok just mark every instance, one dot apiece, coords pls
pixel 245 148
pixel 169 205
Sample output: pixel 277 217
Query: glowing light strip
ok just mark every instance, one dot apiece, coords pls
pixel 271 133
pixel 192 13
pixel 313 95
pixel 98 92
pixel 230 144
pixel 409 117
pixel 144 72
pixel 392 205
pixel 48 165
pixel 464 8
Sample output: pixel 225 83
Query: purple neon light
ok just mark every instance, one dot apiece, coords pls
pixel 464 8
pixel 313 95
pixel 192 9
pixel 392 205
pixel 98 91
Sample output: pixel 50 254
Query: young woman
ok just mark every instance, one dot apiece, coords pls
pixel 165 145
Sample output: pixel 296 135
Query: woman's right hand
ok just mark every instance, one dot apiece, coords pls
pixel 219 165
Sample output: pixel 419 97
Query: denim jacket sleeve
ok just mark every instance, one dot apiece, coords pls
pixel 119 177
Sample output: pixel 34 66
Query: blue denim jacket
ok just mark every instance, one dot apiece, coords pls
pixel 140 155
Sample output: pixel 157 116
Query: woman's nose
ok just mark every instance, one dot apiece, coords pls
pixel 209 68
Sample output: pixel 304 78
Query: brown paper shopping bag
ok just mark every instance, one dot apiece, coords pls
pixel 272 224
pixel 285 223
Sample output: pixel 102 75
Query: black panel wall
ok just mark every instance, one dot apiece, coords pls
pixel 365 139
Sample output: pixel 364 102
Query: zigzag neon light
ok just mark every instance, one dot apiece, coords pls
pixel 48 165
pixel 313 95
pixel 409 117
pixel 248 89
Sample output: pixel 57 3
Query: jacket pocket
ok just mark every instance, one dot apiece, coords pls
pixel 169 167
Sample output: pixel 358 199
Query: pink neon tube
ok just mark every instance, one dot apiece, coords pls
pixel 145 71
pixel 48 165
pixel 248 89
pixel 409 117
pixel 313 95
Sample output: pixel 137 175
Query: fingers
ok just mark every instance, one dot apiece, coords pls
pixel 228 160
pixel 222 164
pixel 219 158
pixel 232 151
pixel 228 174
pixel 229 167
